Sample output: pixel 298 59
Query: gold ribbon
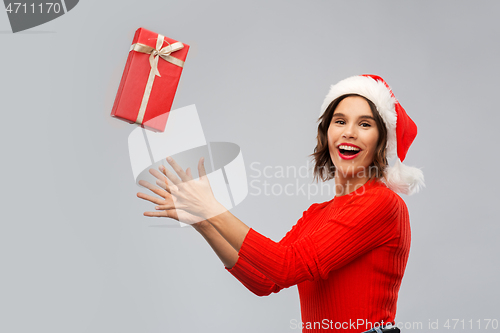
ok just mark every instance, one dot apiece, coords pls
pixel 155 54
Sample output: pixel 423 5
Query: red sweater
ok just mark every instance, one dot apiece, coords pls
pixel 347 257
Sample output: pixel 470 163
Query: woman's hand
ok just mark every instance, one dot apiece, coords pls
pixel 166 201
pixel 193 196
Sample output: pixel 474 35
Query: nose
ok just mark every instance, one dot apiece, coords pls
pixel 350 131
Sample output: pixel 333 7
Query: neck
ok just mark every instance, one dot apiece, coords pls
pixel 346 185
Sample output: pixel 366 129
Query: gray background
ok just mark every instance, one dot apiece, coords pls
pixel 78 256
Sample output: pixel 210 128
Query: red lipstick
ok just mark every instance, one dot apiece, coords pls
pixel 348 157
pixel 348 144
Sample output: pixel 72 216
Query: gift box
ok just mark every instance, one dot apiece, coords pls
pixel 150 79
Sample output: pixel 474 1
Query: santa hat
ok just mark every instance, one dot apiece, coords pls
pixel 401 130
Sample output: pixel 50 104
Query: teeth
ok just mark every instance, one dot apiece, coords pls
pixel 348 148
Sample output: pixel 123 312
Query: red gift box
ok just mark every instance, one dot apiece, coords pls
pixel 149 80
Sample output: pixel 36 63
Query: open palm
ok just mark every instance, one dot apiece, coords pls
pixel 166 200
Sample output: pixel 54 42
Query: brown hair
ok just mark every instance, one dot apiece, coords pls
pixel 324 168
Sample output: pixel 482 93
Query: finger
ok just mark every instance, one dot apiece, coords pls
pixel 188 173
pixel 177 168
pixel 164 206
pixel 164 186
pixel 201 168
pixel 172 177
pixel 168 188
pixel 144 183
pixel 161 214
pixel 150 198
pixel 155 189
pixel 160 176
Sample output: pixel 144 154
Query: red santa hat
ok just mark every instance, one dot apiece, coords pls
pixel 401 130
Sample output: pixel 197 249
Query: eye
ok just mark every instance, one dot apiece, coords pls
pixel 365 125
pixel 341 122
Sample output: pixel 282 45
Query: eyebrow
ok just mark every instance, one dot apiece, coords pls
pixel 360 117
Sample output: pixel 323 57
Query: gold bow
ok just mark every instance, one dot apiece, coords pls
pixel 154 55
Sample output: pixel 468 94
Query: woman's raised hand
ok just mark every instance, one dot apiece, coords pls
pixel 193 196
pixel 164 205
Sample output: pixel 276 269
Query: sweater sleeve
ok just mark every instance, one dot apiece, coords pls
pixel 364 223
pixel 255 281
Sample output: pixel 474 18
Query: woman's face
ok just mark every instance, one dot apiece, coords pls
pixel 352 137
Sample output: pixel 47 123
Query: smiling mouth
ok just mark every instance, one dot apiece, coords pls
pixel 348 152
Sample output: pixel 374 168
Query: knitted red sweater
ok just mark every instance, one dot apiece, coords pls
pixel 347 257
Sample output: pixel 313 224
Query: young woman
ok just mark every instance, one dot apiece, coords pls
pixel 347 255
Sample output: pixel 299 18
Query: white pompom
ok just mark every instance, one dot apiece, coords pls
pixel 404 179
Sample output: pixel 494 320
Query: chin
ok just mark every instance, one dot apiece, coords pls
pixel 352 170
